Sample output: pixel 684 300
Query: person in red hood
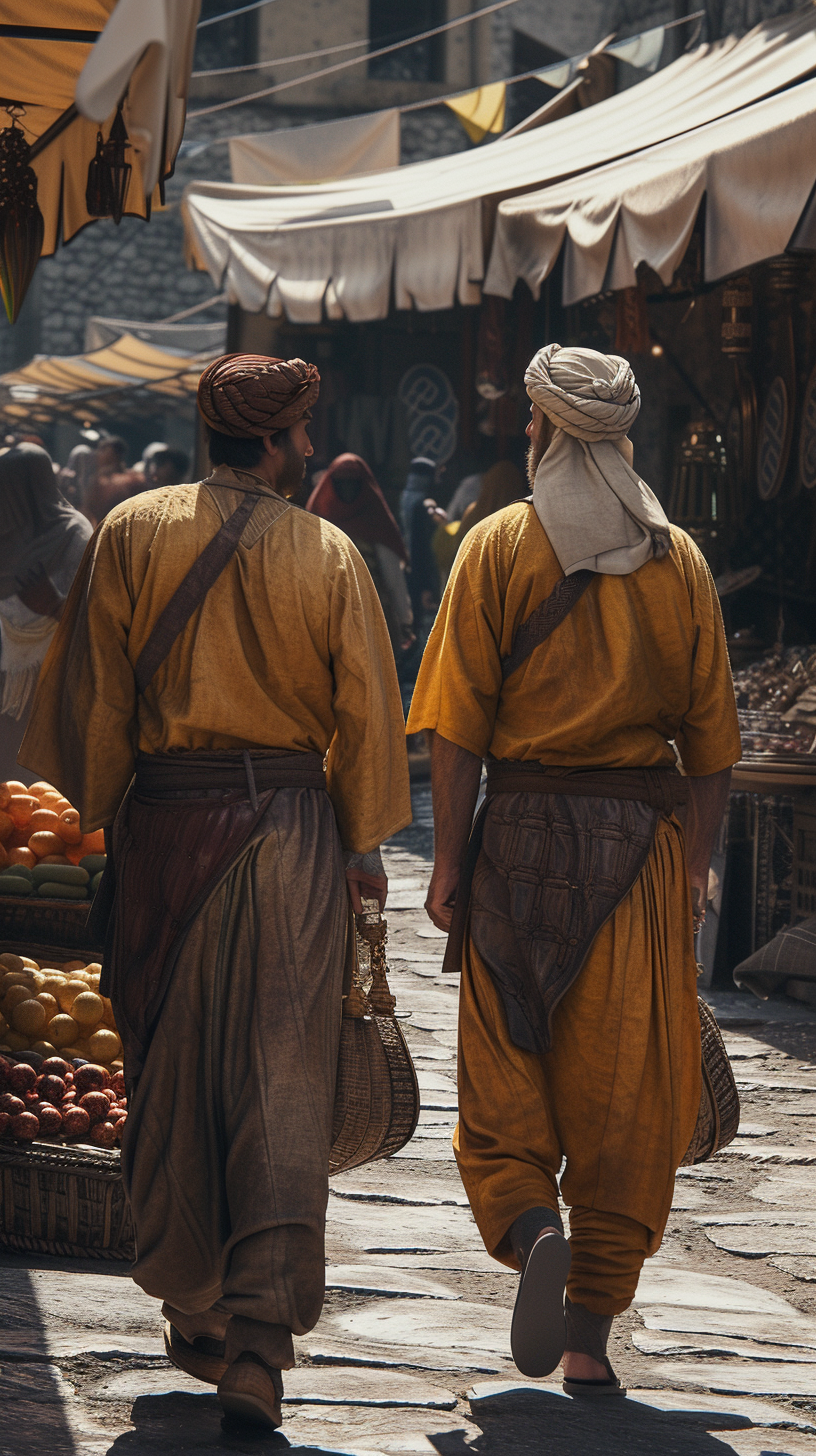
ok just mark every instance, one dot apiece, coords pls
pixel 349 496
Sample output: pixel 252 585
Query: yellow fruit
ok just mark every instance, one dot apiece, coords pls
pixel 94 967
pixel 32 965
pixel 87 1009
pixel 49 1002
pixel 68 993
pixel 63 1030
pixel 69 966
pixel 29 1017
pixel 45 1048
pixel 11 962
pixel 69 1052
pixel 51 985
pixel 13 997
pixel 104 1045
pixel 16 1041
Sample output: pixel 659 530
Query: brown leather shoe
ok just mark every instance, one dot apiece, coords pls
pixel 252 1391
pixel 204 1359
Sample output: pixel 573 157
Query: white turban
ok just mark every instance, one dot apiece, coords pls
pixel 597 512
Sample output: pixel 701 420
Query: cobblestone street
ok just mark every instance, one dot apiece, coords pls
pixel 412 1351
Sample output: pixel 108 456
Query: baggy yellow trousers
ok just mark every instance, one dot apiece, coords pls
pixel 617 1096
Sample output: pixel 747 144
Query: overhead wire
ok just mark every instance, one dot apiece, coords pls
pixel 230 14
pixel 354 61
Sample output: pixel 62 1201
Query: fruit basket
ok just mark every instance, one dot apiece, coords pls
pixel 67 1201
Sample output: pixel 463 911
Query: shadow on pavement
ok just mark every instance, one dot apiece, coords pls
pixel 178 1421
pixel 33 1395
pixel 535 1420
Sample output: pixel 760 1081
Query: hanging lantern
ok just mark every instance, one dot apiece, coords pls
pixel 109 173
pixel 22 228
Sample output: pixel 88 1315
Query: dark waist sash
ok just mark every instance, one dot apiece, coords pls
pixel 552 854
pixel 175 775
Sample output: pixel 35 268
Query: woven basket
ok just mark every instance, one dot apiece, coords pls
pixel 376 1104
pixel 719 1115
pixel 48 926
pixel 64 1200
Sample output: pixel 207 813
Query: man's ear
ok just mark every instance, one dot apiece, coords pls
pixel 269 445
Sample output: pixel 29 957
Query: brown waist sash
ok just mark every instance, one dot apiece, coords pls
pixel 662 788
pixel 188 774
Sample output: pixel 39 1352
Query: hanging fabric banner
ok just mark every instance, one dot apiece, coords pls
pixel 481 112
pixel 349 147
pixel 642 51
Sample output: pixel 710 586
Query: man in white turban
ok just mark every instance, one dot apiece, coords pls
pixel 579 641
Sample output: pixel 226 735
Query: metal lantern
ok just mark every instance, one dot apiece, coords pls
pixel 109 173
pixel 22 228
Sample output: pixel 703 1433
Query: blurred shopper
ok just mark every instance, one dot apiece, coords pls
pixel 78 475
pixel 114 481
pixel 502 484
pixel 42 539
pixel 420 516
pixel 349 496
pixel 166 467
pixel 467 491
pixel 580 638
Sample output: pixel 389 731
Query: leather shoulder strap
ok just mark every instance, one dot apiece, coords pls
pixel 202 575
pixel 543 621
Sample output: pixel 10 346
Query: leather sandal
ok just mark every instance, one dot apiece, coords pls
pixel 594 1388
pixel 203 1359
pixel 538 1333
pixel 251 1390
pixel 587 1334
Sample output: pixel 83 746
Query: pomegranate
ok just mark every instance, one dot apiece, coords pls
pixel 21 1078
pixel 25 1127
pixel 75 1122
pixel 90 1078
pixel 51 1089
pixel 56 1067
pixel 11 1104
pixel 5 1123
pixel 96 1105
pixel 50 1119
pixel 104 1134
pixel 118 1083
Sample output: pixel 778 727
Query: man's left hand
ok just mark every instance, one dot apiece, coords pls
pixel 373 887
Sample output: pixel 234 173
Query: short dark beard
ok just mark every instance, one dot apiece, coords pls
pixel 292 471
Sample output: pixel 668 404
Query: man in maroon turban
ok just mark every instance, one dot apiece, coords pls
pixel 348 495
pixel 220 645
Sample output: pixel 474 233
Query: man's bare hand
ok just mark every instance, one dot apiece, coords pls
pixel 373 887
pixel 441 895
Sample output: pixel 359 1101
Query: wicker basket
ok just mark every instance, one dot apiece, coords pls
pixel 719 1115
pixel 64 1200
pixel 47 926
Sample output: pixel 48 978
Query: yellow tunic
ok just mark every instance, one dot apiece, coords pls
pixel 641 660
pixel 289 650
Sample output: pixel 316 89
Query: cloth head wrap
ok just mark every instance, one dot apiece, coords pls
pixel 367 517
pixel 597 512
pixel 253 395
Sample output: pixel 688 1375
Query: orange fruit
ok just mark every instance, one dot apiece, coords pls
pixel 45 843
pixel 21 807
pixel 5 795
pixel 4 859
pixel 6 825
pixel 44 819
pixel 94 843
pixel 23 856
pixel 62 804
pixel 41 787
pixel 54 859
pixel 68 827
pixel 14 786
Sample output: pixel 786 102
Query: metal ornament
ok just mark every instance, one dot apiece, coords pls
pixel 22 227
pixel 775 431
pixel 109 173
pixel 807 437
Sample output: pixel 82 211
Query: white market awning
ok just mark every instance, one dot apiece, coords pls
pixel 756 170
pixel 340 247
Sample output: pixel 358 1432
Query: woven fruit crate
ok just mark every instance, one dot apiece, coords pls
pixel 49 926
pixel 64 1199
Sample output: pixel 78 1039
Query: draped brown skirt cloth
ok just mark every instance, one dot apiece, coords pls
pixel 225 1159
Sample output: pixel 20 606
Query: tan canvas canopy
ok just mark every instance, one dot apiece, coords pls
pixel 342 247
pixel 756 170
pixel 126 374
pixel 69 83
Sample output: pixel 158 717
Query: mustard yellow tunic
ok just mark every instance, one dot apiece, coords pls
pixel 290 650
pixel 640 661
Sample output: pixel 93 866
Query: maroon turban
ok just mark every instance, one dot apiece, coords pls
pixel 246 395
